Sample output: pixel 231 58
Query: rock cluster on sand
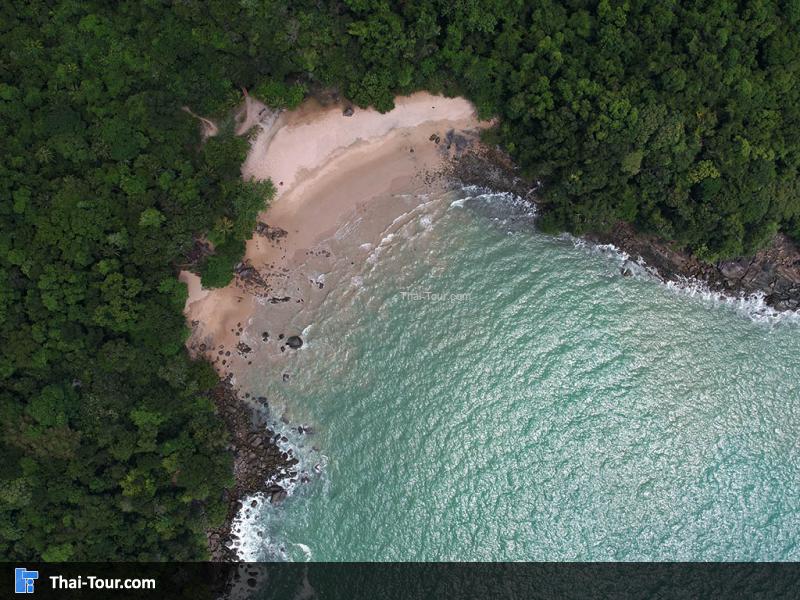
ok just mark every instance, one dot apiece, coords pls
pixel 271 233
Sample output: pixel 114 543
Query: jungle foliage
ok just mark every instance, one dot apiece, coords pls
pixel 677 116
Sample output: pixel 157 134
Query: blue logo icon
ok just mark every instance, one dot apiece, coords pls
pixel 23 580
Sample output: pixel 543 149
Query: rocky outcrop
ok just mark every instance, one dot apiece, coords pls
pixel 256 459
pixel 493 169
pixel 773 271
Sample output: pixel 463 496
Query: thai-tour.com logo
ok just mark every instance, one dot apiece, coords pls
pixel 24 580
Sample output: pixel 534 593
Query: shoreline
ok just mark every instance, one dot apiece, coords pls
pixel 427 143
pixel 773 272
pixel 329 164
pixel 352 161
pixel 368 158
pixel 255 452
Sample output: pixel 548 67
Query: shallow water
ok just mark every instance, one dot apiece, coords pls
pixel 482 391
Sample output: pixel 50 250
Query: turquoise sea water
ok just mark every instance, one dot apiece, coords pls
pixel 482 391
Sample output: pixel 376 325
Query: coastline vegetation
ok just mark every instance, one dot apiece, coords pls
pixel 675 116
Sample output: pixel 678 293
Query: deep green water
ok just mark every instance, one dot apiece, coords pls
pixel 482 391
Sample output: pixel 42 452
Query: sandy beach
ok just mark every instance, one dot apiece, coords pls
pixel 326 167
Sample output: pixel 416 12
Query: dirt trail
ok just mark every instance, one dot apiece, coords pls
pixel 210 128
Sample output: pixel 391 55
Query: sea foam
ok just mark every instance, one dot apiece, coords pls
pixel 752 306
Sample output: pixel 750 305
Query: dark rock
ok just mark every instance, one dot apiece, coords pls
pixel 774 271
pixel 489 167
pixel 256 459
pixel 271 233
pixel 295 342
pixel 348 111
pixel 285 377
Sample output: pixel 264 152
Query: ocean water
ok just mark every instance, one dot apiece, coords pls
pixel 481 391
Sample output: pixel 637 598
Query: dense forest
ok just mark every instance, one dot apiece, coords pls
pixel 678 117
